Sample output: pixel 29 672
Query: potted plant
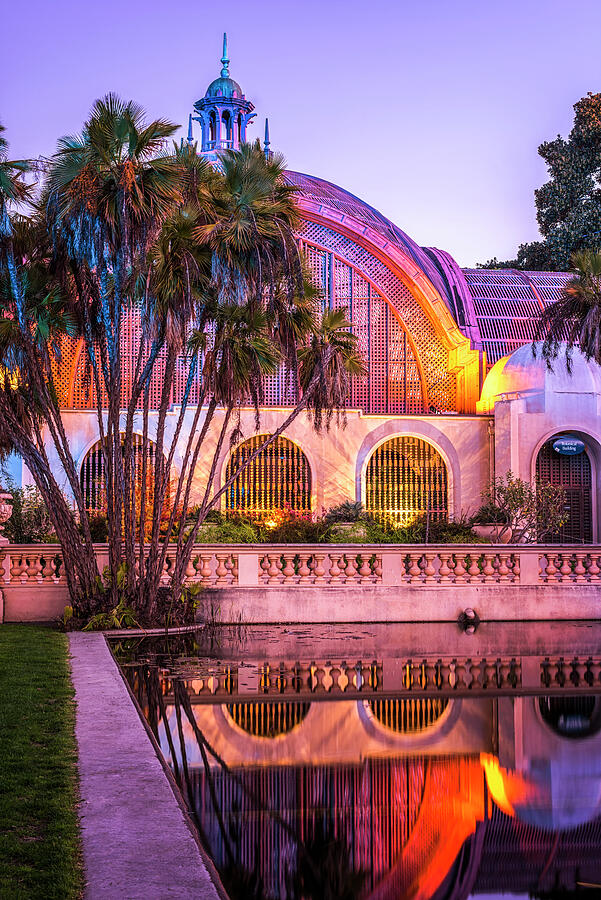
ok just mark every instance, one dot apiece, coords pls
pixel 491 524
pixel 520 511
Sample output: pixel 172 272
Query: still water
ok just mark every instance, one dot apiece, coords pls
pixel 330 762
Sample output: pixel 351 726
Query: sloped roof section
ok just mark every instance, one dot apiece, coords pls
pixel 506 305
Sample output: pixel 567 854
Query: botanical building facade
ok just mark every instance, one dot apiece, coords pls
pixel 453 393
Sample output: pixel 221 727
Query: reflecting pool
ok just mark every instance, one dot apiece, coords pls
pixel 330 762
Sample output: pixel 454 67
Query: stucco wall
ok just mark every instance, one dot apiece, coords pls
pixel 337 457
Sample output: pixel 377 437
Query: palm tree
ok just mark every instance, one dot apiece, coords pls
pixel 107 193
pixel 576 317
pixel 208 262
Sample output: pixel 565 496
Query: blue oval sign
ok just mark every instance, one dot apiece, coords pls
pixel 568 445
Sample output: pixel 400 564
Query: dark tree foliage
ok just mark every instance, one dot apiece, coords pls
pixel 568 206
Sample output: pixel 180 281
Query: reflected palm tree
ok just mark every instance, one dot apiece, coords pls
pixel 323 869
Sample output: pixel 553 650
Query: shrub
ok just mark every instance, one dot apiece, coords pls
pixel 489 514
pixel 290 526
pixel 99 528
pixel 349 511
pixel 30 520
pixel 531 511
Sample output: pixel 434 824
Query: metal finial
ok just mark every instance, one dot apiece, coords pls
pixel 190 137
pixel 267 142
pixel 225 62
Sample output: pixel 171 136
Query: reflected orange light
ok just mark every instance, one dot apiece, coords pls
pixel 506 788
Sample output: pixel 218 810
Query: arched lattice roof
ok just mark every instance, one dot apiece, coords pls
pixel 313 188
pixel 496 308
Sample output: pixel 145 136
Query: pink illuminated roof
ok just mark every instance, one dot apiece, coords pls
pixel 496 308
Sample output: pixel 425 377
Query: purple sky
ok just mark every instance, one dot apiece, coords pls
pixel 430 111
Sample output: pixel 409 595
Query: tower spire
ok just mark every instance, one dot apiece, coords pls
pixel 225 62
pixel 190 137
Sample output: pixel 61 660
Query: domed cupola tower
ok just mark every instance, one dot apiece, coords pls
pixel 223 113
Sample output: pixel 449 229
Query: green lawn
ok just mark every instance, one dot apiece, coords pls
pixel 40 853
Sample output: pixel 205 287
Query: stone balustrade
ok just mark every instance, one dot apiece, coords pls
pixel 276 568
pixel 323 564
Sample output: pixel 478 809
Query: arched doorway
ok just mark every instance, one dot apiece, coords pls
pixel 406 478
pixel 278 478
pixel 92 476
pixel 573 473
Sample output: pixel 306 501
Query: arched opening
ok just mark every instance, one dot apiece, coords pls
pixel 278 478
pixel 240 129
pixel 212 127
pixel 267 720
pixel 92 477
pixel 409 716
pixel 226 136
pixel 571 471
pixel 574 717
pixel 406 479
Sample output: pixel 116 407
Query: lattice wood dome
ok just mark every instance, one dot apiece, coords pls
pixel 407 349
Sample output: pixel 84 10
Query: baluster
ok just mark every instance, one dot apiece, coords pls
pixel 474 569
pixel 593 567
pixel 489 570
pixel 190 568
pixel 263 568
pixel 48 570
pixel 459 568
pixel 415 571
pixel 444 571
pixel 304 572
pixel 365 569
pixel 429 570
pixel 378 568
pixel 351 567
pixel 288 570
pixel 34 567
pixel 334 568
pixel 580 571
pixel 550 568
pixel 318 568
pixel 234 567
pixel 274 569
pixel 205 569
pixel 15 566
pixel 566 567
pixel 221 570
pixel 229 565
pixel 503 568
pixel 515 557
pixel 59 568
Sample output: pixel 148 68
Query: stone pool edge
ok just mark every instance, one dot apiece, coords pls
pixel 138 840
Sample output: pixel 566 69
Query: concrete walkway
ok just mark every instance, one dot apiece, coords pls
pixel 137 842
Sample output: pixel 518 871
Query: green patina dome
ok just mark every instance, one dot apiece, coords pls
pixel 224 87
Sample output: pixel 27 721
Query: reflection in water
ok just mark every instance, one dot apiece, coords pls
pixel 387 797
